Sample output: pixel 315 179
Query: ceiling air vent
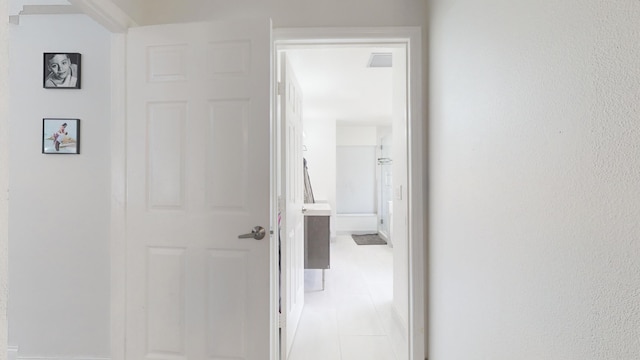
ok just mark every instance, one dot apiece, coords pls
pixel 377 60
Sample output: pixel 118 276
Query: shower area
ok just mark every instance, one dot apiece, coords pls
pixel 364 180
pixel 385 188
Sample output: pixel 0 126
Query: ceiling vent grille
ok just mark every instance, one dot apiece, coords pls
pixel 377 60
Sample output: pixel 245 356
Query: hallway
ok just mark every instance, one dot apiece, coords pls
pixel 352 318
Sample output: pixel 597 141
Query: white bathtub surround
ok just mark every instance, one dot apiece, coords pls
pixel 347 224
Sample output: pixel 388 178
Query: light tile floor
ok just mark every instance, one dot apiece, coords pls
pixel 353 318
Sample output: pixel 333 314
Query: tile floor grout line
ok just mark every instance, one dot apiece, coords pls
pixel 350 257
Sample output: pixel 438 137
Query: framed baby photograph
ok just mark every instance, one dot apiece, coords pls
pixel 61 71
pixel 60 136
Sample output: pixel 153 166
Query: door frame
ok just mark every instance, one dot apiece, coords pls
pixel 416 143
pixel 118 236
pixel 416 140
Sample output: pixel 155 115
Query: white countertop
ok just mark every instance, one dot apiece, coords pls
pixel 317 209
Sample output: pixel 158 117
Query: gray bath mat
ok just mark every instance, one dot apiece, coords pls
pixel 368 239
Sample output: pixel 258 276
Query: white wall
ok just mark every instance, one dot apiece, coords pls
pixel 356 170
pixel 59 294
pixel 534 152
pixel 284 13
pixel 320 140
pixel 356 180
pixel 356 135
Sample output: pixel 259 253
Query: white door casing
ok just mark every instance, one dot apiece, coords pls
pixel 416 144
pixel 198 175
pixel 292 193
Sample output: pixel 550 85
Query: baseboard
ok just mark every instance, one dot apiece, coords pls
pixel 397 319
pixel 385 237
pixel 12 352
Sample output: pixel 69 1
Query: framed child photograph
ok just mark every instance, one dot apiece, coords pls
pixel 60 136
pixel 61 71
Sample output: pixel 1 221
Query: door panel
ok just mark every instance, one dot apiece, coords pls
pixel 198 176
pixel 166 138
pixel 166 283
pixel 227 333
pixel 292 189
pixel 227 180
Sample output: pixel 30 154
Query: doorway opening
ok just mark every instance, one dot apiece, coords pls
pixel 362 164
pixel 284 38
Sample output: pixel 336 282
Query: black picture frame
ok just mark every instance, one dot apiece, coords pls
pixel 60 136
pixel 61 70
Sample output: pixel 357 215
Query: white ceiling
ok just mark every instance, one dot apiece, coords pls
pixel 337 84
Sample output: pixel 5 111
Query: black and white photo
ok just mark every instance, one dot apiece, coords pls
pixel 61 70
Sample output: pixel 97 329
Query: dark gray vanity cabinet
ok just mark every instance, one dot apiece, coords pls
pixel 316 241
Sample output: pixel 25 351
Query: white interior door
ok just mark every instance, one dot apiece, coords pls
pixel 198 176
pixel 292 192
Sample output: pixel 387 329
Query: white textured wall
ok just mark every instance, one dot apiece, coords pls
pixel 59 274
pixel 535 178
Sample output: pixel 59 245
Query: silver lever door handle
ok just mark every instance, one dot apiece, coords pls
pixel 257 233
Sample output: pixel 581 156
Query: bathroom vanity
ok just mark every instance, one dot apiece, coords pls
pixel 316 237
